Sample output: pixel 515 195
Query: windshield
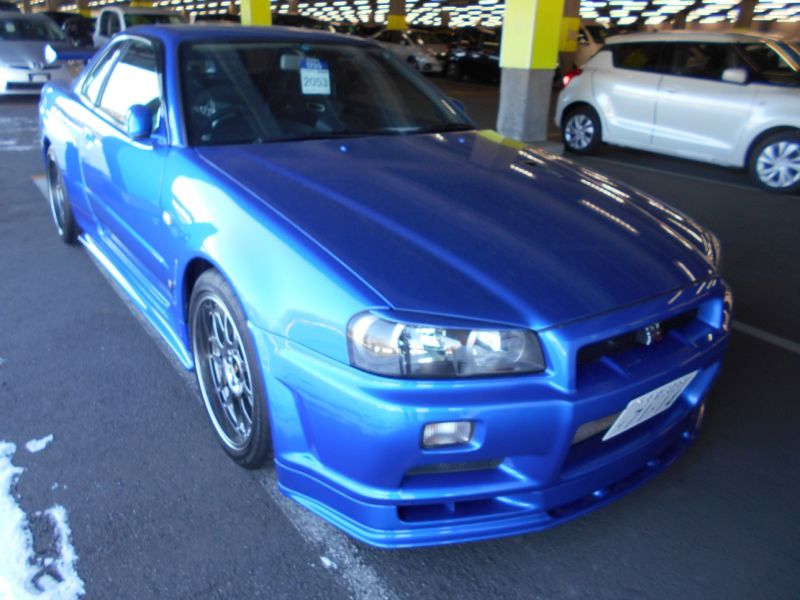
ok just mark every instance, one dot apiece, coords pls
pixel 153 19
pixel 246 92
pixel 770 62
pixel 43 29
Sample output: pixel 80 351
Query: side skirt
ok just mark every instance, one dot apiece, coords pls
pixel 147 306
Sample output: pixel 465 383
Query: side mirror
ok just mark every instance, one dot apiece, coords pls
pixel 139 122
pixel 735 75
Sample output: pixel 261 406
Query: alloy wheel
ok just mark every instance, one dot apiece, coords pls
pixel 778 165
pixel 224 373
pixel 579 132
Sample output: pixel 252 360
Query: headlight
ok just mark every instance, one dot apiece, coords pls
pixel 398 349
pixel 713 249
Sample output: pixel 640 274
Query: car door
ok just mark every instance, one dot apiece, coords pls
pixel 123 176
pixel 626 94
pixel 698 115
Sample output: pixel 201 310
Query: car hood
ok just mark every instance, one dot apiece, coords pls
pixel 472 225
pixel 26 53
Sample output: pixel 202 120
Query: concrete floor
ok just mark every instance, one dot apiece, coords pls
pixel 158 511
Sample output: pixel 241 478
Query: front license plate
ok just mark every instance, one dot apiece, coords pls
pixel 649 405
pixel 43 78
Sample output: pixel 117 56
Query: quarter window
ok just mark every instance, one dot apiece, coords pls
pixel 769 63
pixel 133 80
pixel 638 57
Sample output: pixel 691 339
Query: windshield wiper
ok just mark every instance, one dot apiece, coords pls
pixel 443 128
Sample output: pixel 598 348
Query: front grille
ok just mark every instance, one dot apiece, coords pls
pixel 627 341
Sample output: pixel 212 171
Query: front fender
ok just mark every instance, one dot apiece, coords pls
pixel 286 283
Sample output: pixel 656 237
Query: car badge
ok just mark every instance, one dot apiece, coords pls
pixel 647 336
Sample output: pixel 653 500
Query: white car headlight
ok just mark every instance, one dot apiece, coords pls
pixel 713 248
pixel 398 349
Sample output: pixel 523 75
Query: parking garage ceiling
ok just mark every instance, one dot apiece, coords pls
pixel 490 12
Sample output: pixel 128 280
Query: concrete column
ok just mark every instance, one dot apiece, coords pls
pixel 397 15
pixel 679 20
pixel 293 6
pixel 568 44
pixel 53 4
pixel 528 59
pixel 445 16
pixel 745 18
pixel 256 12
pixel 26 6
pixel 83 8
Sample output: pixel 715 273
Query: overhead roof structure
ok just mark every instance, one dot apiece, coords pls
pixel 490 12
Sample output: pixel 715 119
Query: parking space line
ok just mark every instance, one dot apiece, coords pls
pixel 766 336
pixel 740 186
pixel 341 553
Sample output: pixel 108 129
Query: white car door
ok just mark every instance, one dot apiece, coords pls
pixel 626 91
pixel 698 115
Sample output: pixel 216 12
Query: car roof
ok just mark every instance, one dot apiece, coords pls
pixel 687 36
pixel 17 16
pixel 177 34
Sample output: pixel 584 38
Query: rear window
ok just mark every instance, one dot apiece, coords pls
pixel 638 57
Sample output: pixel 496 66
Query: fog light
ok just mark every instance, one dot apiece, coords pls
pixel 447 433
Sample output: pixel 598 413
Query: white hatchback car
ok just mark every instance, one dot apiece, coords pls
pixel 725 98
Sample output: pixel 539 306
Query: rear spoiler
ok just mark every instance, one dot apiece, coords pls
pixel 52 54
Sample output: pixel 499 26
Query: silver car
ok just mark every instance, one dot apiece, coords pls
pixel 23 38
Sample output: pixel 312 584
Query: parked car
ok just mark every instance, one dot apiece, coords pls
pixel 23 39
pixel 438 334
pixel 302 21
pixel 405 45
pixel 78 29
pixel 591 37
pixel 725 98
pixel 116 19
pixel 474 53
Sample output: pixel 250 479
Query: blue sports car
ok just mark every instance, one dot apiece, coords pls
pixel 437 334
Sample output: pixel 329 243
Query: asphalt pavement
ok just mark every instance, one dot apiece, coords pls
pixel 158 511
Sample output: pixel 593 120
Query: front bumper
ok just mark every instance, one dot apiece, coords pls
pixel 429 64
pixel 347 443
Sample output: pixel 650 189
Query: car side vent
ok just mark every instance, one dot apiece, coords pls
pixel 456 467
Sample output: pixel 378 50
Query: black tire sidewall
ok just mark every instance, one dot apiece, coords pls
pixel 786 136
pixel 596 139
pixel 259 447
pixel 69 229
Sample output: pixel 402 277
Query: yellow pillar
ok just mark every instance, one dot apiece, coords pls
pixel 142 3
pixel 83 8
pixel 532 35
pixel 256 12
pixel 397 15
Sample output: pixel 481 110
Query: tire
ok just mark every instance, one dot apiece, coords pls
pixel 60 207
pixel 774 163
pixel 228 372
pixel 453 71
pixel 580 130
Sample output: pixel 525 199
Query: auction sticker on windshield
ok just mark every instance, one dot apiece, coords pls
pixel 315 78
pixel 649 405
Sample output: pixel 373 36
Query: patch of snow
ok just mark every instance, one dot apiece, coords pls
pixel 18 566
pixel 34 446
pixel 328 563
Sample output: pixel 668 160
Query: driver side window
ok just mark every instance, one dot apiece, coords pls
pixel 134 79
